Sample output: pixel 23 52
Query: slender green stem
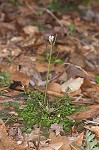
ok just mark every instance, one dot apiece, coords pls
pixel 48 72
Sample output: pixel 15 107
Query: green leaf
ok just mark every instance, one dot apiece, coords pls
pixel 86 2
pixel 58 61
pixel 97 79
pixel 71 27
pixel 96 148
pixel 91 137
pixel 93 143
pixel 4 78
pixel 41 59
pixel 7 74
pixel 88 133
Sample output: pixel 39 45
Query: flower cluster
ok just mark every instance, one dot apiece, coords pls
pixel 52 39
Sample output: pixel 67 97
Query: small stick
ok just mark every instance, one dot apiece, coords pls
pixel 58 21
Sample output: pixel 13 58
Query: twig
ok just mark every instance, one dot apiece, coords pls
pixel 58 21
pixel 93 122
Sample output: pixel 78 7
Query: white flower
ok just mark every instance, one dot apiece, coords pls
pixel 51 38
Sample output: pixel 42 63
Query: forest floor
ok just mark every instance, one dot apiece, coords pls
pixel 63 112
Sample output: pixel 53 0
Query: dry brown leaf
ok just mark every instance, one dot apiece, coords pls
pixel 59 138
pixel 77 143
pixel 77 59
pixel 30 30
pixel 13 92
pixel 93 94
pixel 25 64
pixel 84 114
pixel 86 84
pixel 16 39
pixel 46 148
pixel 57 128
pixel 41 49
pixel 7 25
pixel 56 146
pixel 79 139
pixel 6 142
pixel 18 76
pixel 94 106
pixel 10 68
pixel 54 93
pixel 3 88
pixel 72 94
pixel 55 87
pixel 42 66
pixel 9 51
pixel 35 135
pixel 76 71
pixel 94 129
pixel 72 84
pixel 28 9
pixel 62 48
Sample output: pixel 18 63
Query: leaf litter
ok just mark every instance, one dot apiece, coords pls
pixel 24 51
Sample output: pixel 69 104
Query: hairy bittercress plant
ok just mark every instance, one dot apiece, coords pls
pixel 52 42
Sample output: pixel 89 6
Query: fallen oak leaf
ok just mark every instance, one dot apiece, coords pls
pixel 84 115
pixel 59 138
pixel 94 106
pixel 77 143
pixel 57 128
pixel 72 84
pixel 94 129
pixel 30 30
pixel 22 77
pixel 79 139
pixel 5 53
pixel 6 142
pixel 72 94
pixel 90 90
pixel 92 112
pixel 76 71
pixel 42 66
pixel 54 93
pixel 56 146
pixel 75 147
pixel 55 87
pixel 46 148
